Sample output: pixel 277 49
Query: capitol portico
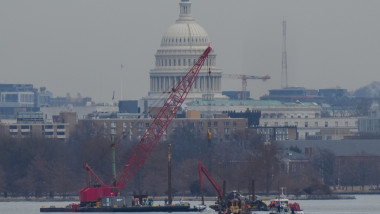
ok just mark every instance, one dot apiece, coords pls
pixel 181 46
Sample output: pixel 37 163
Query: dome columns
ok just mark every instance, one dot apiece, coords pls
pixel 204 83
pixel 185 9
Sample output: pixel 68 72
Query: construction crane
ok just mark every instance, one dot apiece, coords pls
pixel 203 170
pixel 244 79
pixel 233 202
pixel 90 195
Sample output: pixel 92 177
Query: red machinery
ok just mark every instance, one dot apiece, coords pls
pixel 90 195
pixel 201 170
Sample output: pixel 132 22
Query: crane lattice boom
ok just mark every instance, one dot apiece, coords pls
pixel 161 122
pixel 150 138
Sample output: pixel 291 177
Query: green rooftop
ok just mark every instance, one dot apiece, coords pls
pixel 248 103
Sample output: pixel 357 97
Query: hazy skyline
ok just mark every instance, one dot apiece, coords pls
pixel 79 46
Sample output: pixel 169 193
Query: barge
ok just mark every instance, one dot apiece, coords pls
pixel 165 208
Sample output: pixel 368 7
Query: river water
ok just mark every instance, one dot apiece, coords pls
pixel 363 204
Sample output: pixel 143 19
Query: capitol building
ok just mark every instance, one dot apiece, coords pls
pixel 181 46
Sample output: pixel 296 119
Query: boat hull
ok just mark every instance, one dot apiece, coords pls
pixel 125 209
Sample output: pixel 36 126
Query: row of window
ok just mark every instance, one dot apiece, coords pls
pixel 44 133
pixel 179 62
pixel 29 127
pixel 316 124
pixel 283 116
pixel 184 40
pixel 21 97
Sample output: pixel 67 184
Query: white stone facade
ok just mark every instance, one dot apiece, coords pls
pixel 371 123
pixel 338 126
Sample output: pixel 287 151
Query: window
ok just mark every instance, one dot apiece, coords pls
pixel 336 123
pixel 306 124
pixel 215 124
pixel 60 126
pixel 27 127
pixel 346 123
pixel 234 123
pixel 113 131
pixel 209 124
pixel 48 127
pixel 147 125
pixel 316 124
pixel 179 62
pixel 184 62
pixel 294 168
pixel 326 124
pixel 226 131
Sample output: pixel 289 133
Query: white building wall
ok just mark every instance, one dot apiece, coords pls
pixel 313 126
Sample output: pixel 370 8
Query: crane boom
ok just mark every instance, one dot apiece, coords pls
pixel 150 138
pixel 217 188
pixel 244 79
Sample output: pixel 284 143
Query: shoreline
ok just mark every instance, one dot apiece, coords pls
pixel 338 196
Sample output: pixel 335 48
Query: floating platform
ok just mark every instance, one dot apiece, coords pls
pixel 174 208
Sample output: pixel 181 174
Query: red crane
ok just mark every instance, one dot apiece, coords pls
pixel 201 170
pixel 244 79
pixel 90 195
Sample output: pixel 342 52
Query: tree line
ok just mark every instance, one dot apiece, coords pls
pixel 42 167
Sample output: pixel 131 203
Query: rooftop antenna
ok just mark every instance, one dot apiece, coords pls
pixel 284 71
pixel 121 82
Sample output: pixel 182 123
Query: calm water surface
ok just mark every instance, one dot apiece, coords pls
pixel 363 204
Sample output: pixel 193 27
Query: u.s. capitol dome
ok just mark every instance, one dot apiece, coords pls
pixel 181 46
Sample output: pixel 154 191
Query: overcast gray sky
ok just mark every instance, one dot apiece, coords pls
pixel 77 46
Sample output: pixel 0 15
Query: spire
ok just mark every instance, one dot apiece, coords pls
pixel 185 10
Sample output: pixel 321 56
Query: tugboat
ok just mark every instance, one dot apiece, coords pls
pixel 281 205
